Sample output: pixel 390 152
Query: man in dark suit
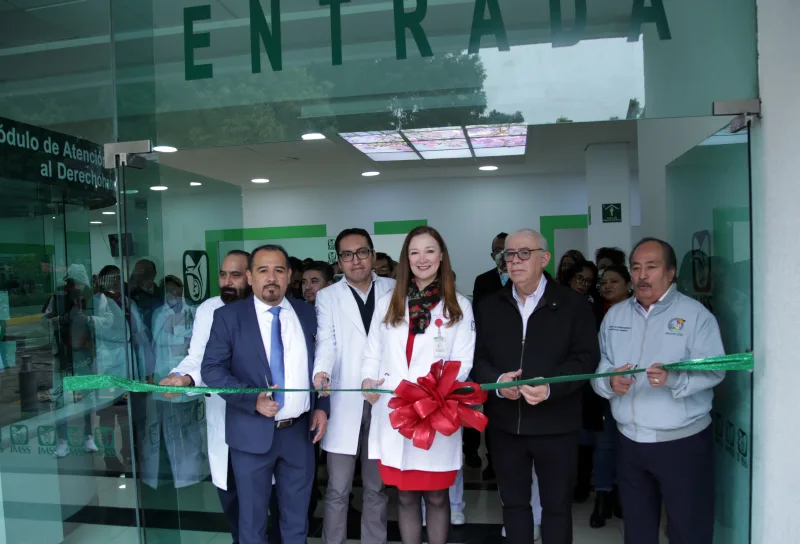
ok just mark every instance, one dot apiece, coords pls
pixel 267 340
pixel 493 280
pixel 534 329
pixel 486 284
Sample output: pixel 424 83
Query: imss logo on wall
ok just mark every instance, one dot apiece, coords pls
pixel 195 276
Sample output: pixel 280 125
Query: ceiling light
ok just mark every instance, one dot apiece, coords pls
pixel 54 217
pixel 158 188
pixel 195 184
pixel 313 136
pixel 260 180
pixel 109 213
pixel 131 192
pixel 488 168
pixel 370 174
pixel 165 149
pixel 96 222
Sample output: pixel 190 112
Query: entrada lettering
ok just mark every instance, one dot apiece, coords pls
pixel 487 19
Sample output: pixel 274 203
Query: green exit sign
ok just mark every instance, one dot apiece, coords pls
pixel 612 213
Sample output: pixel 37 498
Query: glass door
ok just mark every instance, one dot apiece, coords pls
pixel 709 221
pixel 168 274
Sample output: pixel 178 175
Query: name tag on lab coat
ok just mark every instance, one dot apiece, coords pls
pixel 440 346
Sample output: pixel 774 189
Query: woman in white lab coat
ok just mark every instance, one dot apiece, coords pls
pixel 421 322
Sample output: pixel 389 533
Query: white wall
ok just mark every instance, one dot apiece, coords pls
pixel 186 218
pixel 608 181
pixel 661 141
pixel 776 223
pixel 468 213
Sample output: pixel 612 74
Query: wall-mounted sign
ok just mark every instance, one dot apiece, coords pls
pixel 487 19
pixel 31 153
pixel 612 213
pixel 195 276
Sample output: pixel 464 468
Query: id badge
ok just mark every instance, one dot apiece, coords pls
pixel 441 346
pixel 439 341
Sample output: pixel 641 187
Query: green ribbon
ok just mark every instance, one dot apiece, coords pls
pixel 741 361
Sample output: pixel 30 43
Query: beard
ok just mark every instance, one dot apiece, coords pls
pixel 271 292
pixel 231 294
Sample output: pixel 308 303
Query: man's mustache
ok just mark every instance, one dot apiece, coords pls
pixel 643 284
pixel 271 285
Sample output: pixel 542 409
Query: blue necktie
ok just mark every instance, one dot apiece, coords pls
pixel 276 355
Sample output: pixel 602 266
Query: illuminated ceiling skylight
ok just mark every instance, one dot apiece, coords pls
pixel 440 143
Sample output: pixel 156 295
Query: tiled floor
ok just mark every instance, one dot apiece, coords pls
pixel 482 511
pixel 193 514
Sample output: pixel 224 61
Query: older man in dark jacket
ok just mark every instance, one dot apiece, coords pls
pixel 535 329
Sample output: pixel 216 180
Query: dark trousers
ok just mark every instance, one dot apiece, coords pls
pixel 291 460
pixel 472 441
pixel 230 503
pixel 554 457
pixel 679 472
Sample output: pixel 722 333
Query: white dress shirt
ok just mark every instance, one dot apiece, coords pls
pixel 364 296
pixel 295 357
pixel 527 308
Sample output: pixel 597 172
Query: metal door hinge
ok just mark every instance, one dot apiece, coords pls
pixel 744 110
pixel 128 153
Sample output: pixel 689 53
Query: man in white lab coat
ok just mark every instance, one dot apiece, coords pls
pixel 232 287
pixel 344 313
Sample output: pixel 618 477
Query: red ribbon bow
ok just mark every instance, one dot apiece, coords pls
pixel 433 405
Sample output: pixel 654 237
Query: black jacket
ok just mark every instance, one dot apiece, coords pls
pixel 486 284
pixel 561 340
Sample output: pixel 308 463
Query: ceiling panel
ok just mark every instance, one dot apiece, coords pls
pixel 552 149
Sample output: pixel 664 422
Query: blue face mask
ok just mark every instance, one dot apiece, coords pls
pixel 504 278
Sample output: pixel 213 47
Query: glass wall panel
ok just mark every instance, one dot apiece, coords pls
pixel 708 201
pixel 253 72
pixel 57 321
pixel 169 273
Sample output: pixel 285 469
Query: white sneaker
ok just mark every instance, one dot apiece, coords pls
pixel 62 449
pixel 457 518
pixel 89 445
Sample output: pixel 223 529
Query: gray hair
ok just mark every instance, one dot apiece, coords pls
pixel 542 241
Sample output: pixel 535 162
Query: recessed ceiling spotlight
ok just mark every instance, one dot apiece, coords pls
pixel 195 184
pixel 313 136
pixel 370 174
pixel 260 180
pixel 158 188
pixel 165 149
pixel 96 222
pixel 488 168
pixel 109 213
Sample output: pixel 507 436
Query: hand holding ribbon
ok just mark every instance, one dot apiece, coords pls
pixel 436 403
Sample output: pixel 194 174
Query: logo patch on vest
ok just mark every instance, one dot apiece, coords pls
pixel 676 325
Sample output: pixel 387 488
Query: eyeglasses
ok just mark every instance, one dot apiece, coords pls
pixel 581 280
pixel 363 253
pixel 524 254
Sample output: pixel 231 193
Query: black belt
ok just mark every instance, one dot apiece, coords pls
pixel 286 423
